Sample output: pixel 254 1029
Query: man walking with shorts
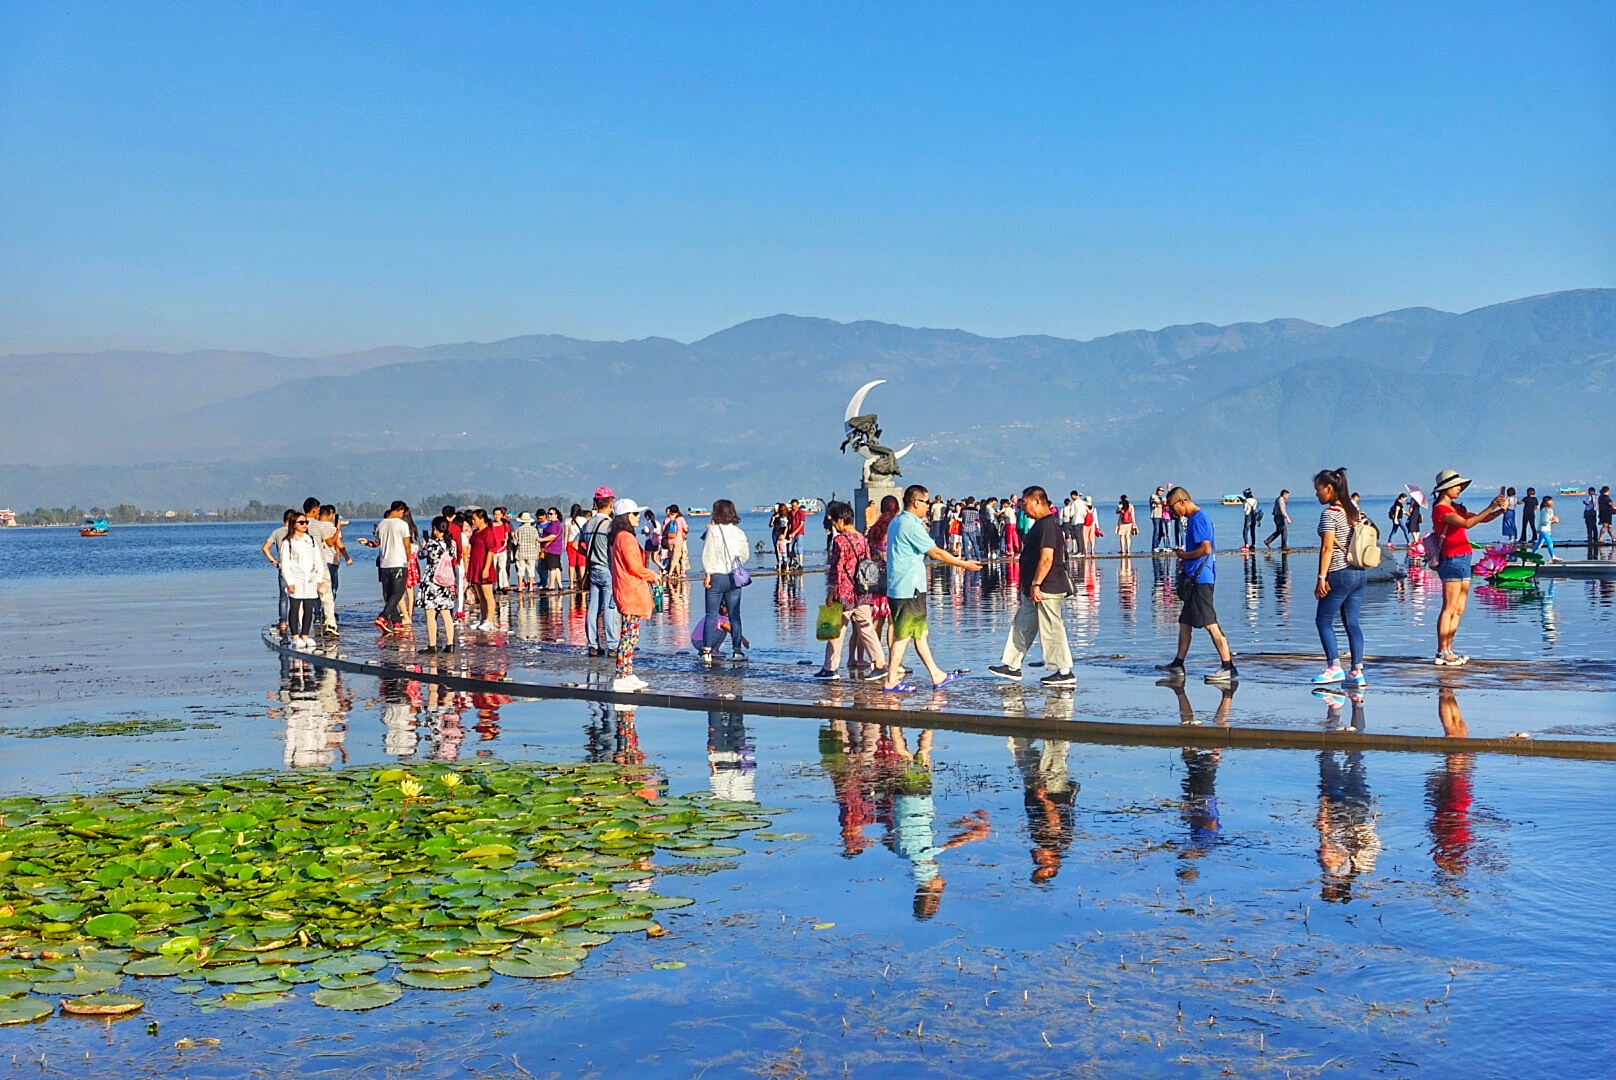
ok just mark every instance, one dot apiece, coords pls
pixel 909 545
pixel 1196 577
pixel 1044 587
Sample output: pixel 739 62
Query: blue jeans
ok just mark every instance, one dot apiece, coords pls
pixel 1454 568
pixel 1544 540
pixel 284 602
pixel 973 545
pixel 601 602
pixel 1346 597
pixel 723 592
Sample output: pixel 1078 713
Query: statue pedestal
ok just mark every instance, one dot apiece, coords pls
pixel 867 500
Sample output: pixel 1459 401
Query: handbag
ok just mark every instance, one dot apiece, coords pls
pixel 738 575
pixel 443 571
pixel 828 627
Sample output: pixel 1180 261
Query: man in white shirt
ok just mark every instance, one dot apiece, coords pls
pixel 595 539
pixel 393 557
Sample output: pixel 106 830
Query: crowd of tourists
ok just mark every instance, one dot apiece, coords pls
pixel 875 616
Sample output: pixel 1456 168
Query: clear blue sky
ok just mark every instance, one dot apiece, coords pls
pixel 323 177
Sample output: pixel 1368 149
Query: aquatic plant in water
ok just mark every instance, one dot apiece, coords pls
pixel 351 884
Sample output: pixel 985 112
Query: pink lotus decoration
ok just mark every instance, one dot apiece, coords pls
pixel 1416 550
pixel 1492 560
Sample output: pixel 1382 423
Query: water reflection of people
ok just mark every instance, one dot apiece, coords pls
pixel 1047 795
pixel 1199 808
pixel 1334 702
pixel 1348 843
pixel 398 717
pixel 440 716
pixel 731 756
pixel 1186 711
pixel 313 704
pixel 847 753
pixel 1448 793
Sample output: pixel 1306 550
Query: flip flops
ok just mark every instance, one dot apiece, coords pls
pixel 901 688
pixel 950 677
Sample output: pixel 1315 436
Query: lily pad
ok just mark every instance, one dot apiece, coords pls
pixel 359 998
pixel 24 1010
pixel 150 966
pixel 112 924
pixel 668 965
pixel 349 964
pixel 238 973
pixel 662 903
pixel 103 1005
pixel 444 980
pixel 537 967
pixel 347 982
pixel 619 926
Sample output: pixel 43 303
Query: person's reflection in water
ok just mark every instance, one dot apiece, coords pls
pixel 1199 808
pixel 1282 588
pixel 914 815
pixel 731 756
pixel 313 707
pixel 399 737
pixel 1335 702
pixel 1551 619
pixel 1348 843
pixel 1186 711
pixel 1253 591
pixel 1047 794
pixel 1449 794
pixel 847 754
pixel 441 718
pixel 627 739
pixel 1127 589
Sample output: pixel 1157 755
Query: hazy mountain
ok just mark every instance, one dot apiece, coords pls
pixel 1517 392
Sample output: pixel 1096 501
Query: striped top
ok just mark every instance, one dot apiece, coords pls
pixel 1334 520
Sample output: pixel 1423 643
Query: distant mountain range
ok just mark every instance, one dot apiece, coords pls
pixel 1521 392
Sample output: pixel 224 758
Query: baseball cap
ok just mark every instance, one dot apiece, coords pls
pixel 604 492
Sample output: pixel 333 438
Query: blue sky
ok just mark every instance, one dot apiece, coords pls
pixel 316 178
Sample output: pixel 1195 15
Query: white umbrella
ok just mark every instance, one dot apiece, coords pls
pixel 1415 493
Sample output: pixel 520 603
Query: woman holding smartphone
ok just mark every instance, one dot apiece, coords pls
pixel 1451 522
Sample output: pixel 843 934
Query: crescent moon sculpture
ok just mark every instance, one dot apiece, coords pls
pixel 863 432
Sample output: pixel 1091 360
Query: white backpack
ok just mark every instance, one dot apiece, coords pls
pixel 1363 545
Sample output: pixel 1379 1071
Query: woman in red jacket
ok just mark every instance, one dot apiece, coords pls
pixel 631 590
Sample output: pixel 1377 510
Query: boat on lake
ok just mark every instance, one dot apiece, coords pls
pixel 1233 500
pixel 94 527
pixel 1571 489
pixel 699 511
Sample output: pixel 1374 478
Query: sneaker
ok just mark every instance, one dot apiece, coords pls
pixel 827 673
pixel 704 655
pixel 332 631
pixel 383 625
pixel 1223 676
pixel 1451 659
pixel 1330 676
pixel 1005 671
pixel 1355 679
pixel 626 684
pixel 875 675
pixel 1059 680
pixel 738 656
pixel 1175 667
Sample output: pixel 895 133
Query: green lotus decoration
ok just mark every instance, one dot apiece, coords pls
pixel 351 884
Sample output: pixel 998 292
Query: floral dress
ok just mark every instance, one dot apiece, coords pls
pixel 434 596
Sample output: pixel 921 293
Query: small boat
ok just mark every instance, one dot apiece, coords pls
pixel 699 511
pixel 1572 489
pixel 1233 500
pixel 94 527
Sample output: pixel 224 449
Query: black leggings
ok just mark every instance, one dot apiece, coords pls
pixel 300 619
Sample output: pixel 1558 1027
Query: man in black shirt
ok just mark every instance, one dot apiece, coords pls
pixel 1044 586
pixel 1529 517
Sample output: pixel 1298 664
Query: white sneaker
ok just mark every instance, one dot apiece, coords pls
pixel 488 626
pixel 627 684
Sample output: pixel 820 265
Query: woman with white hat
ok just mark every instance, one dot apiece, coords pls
pixel 631 589
pixel 1449 524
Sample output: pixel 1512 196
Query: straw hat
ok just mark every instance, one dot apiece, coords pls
pixel 1446 479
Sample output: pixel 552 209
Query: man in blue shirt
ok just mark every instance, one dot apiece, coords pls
pixel 1196 576
pixel 909 545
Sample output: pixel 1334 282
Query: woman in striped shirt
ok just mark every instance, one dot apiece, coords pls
pixel 1340 589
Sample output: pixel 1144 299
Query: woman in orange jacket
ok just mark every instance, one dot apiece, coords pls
pixel 631 590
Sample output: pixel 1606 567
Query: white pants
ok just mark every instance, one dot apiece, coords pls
pixel 1041 621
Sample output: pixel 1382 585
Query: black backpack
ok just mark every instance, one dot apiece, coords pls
pixel 869 577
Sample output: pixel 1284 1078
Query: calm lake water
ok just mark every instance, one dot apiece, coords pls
pixel 928 903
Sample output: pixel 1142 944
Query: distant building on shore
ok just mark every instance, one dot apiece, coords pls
pixel 7 519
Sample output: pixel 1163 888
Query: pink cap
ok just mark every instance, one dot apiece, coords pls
pixel 604 492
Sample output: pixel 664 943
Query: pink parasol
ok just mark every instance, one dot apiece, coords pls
pixel 1416 494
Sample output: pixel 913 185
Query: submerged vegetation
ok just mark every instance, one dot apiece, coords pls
pixel 351 884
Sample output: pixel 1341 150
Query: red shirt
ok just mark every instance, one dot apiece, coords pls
pixel 799 522
pixel 1455 540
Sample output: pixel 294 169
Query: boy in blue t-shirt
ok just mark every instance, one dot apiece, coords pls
pixel 1196 578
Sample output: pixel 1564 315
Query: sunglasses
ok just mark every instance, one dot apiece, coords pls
pixel 301 521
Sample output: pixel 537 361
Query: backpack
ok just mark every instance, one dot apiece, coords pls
pixel 1363 545
pixel 868 577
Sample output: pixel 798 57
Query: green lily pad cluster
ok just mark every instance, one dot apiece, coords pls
pixel 83 729
pixel 351 885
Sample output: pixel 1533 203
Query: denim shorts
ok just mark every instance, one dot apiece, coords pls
pixel 1454 568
